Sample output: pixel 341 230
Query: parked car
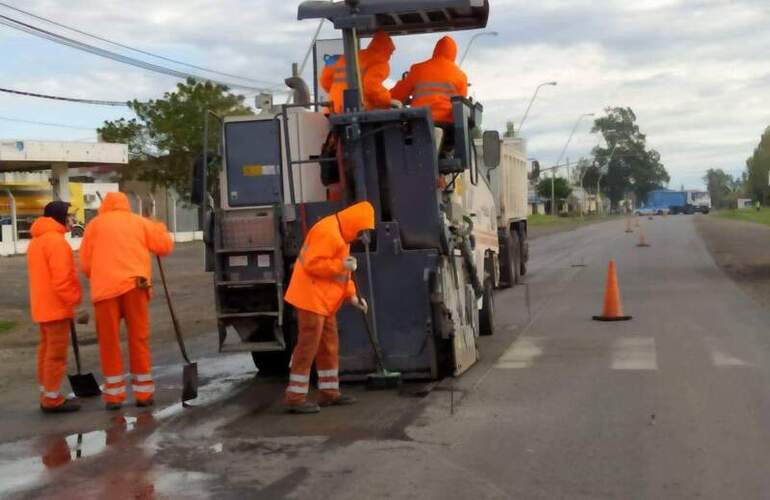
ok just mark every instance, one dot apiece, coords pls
pixel 652 211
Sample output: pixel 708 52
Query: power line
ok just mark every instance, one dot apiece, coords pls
pixel 133 49
pixel 69 42
pixel 45 124
pixel 67 99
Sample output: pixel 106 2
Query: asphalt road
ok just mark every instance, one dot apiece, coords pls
pixel 673 404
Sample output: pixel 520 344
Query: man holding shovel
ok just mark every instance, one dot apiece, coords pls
pixel 54 292
pixel 115 255
pixel 320 284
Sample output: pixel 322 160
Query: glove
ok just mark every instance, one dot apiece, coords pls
pixel 350 263
pixel 396 104
pixel 360 304
pixel 82 317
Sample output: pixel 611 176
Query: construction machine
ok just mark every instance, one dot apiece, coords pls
pixel 434 255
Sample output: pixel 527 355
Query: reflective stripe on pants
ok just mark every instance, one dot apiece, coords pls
pixel 133 306
pixel 317 341
pixel 52 361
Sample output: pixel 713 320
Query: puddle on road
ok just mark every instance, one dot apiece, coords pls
pixel 31 463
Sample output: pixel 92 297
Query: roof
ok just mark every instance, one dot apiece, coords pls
pixel 400 17
pixel 25 156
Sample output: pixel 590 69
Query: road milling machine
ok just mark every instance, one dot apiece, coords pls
pixel 434 253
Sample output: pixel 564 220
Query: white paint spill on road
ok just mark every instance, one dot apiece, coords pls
pixel 634 353
pixel 521 354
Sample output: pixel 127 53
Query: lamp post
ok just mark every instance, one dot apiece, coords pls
pixel 470 43
pixel 532 101
pixel 563 151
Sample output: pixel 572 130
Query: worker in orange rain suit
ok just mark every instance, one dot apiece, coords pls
pixel 115 255
pixel 319 285
pixel 374 66
pixel 434 82
pixel 54 292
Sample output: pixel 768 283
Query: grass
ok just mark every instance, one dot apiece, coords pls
pixel 6 325
pixel 761 217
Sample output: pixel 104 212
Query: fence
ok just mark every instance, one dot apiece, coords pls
pixel 180 218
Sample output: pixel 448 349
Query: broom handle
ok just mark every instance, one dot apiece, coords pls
pixel 372 338
pixel 75 348
pixel 174 321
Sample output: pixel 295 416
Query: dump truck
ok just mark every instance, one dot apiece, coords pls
pixel 435 252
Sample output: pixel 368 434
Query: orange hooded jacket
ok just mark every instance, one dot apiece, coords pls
pixel 320 283
pixel 54 289
pixel 116 247
pixel 375 69
pixel 434 82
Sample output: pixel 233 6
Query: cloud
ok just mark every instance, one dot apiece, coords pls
pixel 696 72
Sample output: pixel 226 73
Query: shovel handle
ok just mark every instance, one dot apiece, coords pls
pixel 75 348
pixel 372 337
pixel 177 330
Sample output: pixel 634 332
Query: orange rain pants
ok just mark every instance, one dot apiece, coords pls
pixel 133 306
pixel 52 361
pixel 317 341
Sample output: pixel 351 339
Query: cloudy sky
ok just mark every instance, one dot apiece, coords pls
pixel 696 72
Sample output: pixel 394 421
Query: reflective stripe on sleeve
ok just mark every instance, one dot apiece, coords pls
pixel 438 85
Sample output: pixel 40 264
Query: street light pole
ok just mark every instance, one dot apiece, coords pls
pixel 563 151
pixel 470 43
pixel 531 101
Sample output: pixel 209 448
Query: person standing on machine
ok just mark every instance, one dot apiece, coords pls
pixel 374 65
pixel 320 284
pixel 115 255
pixel 54 291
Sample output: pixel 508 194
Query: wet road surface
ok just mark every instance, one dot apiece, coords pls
pixel 673 404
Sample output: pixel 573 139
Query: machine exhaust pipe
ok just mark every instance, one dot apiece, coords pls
pixel 301 90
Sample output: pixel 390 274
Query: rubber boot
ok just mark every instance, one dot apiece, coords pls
pixel 68 406
pixel 304 408
pixel 342 400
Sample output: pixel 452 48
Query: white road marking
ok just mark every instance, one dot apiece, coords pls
pixel 722 359
pixel 634 353
pixel 521 354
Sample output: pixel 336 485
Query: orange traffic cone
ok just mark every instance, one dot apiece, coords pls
pixel 642 240
pixel 613 309
pixel 628 225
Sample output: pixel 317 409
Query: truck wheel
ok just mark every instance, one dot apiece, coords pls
pixel 487 313
pixel 506 262
pixel 516 257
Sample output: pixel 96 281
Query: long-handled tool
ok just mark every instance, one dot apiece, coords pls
pixel 190 370
pixel 382 378
pixel 84 385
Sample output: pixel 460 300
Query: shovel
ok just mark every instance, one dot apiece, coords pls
pixel 84 385
pixel 190 370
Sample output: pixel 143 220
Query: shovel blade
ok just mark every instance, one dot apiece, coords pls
pixel 189 382
pixel 84 385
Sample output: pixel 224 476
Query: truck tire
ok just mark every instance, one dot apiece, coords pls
pixel 506 261
pixel 516 257
pixel 524 256
pixel 487 313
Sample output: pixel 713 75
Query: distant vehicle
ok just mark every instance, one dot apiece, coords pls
pixel 700 201
pixel 652 211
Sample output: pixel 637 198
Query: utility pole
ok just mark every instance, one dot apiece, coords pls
pixel 563 151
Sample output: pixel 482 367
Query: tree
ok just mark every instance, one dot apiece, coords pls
pixel 628 165
pixel 561 187
pixel 167 135
pixel 757 168
pixel 720 186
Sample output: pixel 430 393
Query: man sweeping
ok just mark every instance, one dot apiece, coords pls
pixel 320 284
pixel 54 292
pixel 115 255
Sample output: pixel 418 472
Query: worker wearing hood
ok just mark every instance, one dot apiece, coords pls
pixel 115 255
pixel 54 292
pixel 434 82
pixel 320 283
pixel 374 65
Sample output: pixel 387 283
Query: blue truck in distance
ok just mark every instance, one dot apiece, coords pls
pixel 665 201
